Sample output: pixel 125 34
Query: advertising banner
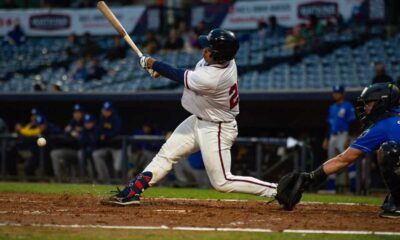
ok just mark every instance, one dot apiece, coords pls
pixel 61 22
pixel 245 15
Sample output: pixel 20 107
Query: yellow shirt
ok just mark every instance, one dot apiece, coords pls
pixel 30 130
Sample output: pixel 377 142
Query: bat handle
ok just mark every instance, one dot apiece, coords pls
pixel 128 39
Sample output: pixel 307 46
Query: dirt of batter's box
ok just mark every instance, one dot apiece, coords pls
pixel 67 209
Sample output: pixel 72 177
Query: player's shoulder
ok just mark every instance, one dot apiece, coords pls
pixel 391 120
pixel 347 104
pixel 386 123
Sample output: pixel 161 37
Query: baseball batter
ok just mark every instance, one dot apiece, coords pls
pixel 211 95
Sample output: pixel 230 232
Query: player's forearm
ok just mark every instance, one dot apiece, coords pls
pixel 334 165
pixel 168 71
pixel 341 161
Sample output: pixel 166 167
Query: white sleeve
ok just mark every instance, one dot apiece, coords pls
pixel 200 81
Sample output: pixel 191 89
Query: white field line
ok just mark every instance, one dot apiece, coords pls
pixel 240 200
pixel 163 227
pixel 339 232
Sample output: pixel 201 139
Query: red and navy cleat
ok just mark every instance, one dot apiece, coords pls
pixel 131 193
pixel 122 200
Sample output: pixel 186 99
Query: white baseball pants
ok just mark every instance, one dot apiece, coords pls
pixel 215 141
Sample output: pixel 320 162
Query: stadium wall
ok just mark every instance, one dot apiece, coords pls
pixel 291 113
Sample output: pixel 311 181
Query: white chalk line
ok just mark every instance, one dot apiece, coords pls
pixel 339 232
pixel 225 200
pixel 240 200
pixel 164 227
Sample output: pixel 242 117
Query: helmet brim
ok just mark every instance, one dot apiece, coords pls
pixel 203 41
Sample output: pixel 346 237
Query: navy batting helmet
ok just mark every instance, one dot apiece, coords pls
pixel 222 43
pixel 386 97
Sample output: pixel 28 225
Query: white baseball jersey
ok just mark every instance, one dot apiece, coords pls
pixel 211 95
pixel 211 91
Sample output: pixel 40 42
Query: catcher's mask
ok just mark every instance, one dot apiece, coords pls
pixel 386 97
pixel 222 43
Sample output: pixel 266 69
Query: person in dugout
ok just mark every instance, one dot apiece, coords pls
pixel 64 157
pixel 107 157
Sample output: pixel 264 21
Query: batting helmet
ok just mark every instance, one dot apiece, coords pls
pixel 386 97
pixel 222 43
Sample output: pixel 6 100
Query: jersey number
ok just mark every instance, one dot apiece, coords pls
pixel 234 94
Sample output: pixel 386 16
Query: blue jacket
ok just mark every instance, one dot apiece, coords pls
pixel 340 117
pixel 88 140
pixel 109 127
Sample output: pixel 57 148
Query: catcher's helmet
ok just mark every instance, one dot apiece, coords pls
pixel 386 97
pixel 222 43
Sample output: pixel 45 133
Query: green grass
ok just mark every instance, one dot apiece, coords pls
pixel 45 233
pixel 102 190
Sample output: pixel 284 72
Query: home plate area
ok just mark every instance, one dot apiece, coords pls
pixel 24 209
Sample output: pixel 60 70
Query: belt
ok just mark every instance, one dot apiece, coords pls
pixel 212 121
pixel 337 133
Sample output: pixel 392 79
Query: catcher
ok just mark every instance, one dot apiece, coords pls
pixel 378 110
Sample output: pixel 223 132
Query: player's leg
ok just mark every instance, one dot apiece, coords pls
pixel 180 172
pixel 117 161
pixel 178 145
pixel 57 162
pixel 99 159
pixel 215 142
pixel 332 151
pixel 389 161
pixel 70 157
pixel 342 141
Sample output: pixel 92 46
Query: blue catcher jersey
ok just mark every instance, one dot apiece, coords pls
pixel 340 116
pixel 385 130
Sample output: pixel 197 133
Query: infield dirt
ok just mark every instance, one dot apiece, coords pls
pixel 31 208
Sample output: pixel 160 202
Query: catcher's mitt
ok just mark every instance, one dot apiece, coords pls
pixel 290 189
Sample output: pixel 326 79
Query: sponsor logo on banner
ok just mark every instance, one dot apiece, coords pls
pixel 61 22
pixel 49 22
pixel 7 22
pixel 319 9
pixel 245 15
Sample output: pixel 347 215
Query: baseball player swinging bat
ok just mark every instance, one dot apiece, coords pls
pixel 102 6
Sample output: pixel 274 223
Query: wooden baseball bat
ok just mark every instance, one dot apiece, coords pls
pixel 102 6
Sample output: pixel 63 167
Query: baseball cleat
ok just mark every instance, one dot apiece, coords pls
pixel 121 200
pixel 390 214
pixel 390 208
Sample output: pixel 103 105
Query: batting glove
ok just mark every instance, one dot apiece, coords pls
pixel 143 61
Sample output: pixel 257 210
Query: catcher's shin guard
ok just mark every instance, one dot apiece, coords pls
pixel 389 160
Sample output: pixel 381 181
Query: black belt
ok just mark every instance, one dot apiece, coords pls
pixel 337 133
pixel 212 121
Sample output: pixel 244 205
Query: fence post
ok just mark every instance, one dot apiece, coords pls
pixel 3 158
pixel 124 156
pixel 359 178
pixel 259 155
pixel 367 174
pixel 303 158
pixel 41 162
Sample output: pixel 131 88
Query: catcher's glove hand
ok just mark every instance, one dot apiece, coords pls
pixel 290 189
